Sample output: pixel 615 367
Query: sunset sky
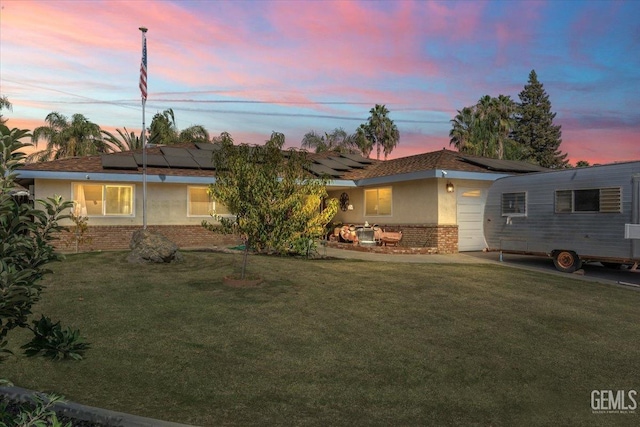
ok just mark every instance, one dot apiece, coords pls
pixel 253 67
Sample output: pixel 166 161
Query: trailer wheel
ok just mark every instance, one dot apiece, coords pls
pixel 566 261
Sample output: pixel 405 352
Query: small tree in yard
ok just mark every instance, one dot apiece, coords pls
pixel 274 200
pixel 25 249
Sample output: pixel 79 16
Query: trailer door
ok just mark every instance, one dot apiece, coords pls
pixel 470 218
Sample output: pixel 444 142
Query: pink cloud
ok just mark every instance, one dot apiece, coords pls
pixel 601 145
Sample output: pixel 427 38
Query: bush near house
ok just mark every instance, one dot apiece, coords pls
pixel 25 250
pixel 275 203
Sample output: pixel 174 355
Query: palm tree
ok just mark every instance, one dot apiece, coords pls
pixel 164 131
pixel 68 138
pixel 195 133
pixel 485 128
pixel 314 141
pixel 4 105
pixel 360 140
pixel 505 122
pixel 338 140
pixel 461 132
pixel 128 141
pixel 381 131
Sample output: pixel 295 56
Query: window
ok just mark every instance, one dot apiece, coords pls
pixel 589 200
pixel 103 200
pixel 201 204
pixel 514 204
pixel 377 201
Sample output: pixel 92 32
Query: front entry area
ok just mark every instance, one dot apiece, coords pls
pixel 470 217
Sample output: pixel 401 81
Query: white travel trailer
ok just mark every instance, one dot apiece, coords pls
pixel 572 215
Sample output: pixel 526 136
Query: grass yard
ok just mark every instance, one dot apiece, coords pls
pixel 332 342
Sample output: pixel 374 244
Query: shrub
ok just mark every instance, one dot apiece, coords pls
pixel 53 342
pixel 26 233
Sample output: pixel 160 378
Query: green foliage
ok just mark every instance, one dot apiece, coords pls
pixel 68 138
pixel 53 342
pixel 37 414
pixel 164 131
pixel 500 128
pixel 535 130
pixel 5 104
pixel 338 140
pixel 127 141
pixel 379 131
pixel 26 233
pixel 484 129
pixel 76 233
pixel 274 200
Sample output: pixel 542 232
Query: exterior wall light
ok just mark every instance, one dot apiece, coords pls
pixel 449 187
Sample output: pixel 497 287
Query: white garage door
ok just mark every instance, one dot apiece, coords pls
pixel 470 216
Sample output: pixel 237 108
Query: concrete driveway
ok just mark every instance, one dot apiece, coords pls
pixel 590 272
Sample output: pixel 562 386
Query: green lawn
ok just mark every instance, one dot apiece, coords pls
pixel 332 342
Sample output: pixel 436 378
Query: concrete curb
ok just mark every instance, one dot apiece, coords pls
pixel 88 413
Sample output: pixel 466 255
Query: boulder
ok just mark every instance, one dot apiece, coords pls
pixel 152 247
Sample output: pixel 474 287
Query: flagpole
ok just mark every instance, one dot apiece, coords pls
pixel 144 139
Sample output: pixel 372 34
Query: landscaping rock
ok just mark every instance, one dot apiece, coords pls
pixel 152 247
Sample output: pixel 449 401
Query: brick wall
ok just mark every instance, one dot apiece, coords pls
pixel 442 237
pixel 107 238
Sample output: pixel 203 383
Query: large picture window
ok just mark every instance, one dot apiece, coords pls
pixel 103 199
pixel 201 204
pixel 589 200
pixel 378 201
pixel 514 204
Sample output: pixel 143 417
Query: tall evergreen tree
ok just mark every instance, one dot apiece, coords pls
pixel 535 131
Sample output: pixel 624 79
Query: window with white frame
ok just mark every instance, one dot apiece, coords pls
pixel 377 201
pixel 589 200
pixel 514 204
pixel 201 204
pixel 103 199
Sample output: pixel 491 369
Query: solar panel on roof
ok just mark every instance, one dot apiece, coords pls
pixel 347 162
pixel 200 153
pixel 175 152
pixel 504 165
pixel 357 158
pixel 155 160
pixel 181 162
pixel 118 162
pixel 322 170
pixel 333 164
pixel 204 163
pixel 206 146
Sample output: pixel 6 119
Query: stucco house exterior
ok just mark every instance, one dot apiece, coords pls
pixel 436 198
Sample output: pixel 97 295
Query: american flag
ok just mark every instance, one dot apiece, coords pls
pixel 143 69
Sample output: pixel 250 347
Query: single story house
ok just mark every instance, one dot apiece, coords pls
pixel 436 199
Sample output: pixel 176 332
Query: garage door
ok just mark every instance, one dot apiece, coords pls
pixel 470 216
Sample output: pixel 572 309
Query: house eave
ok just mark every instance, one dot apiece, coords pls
pixel 428 174
pixel 114 177
pixel 129 177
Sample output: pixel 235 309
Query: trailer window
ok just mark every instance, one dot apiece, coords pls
pixel 589 200
pixel 514 204
pixel 586 200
